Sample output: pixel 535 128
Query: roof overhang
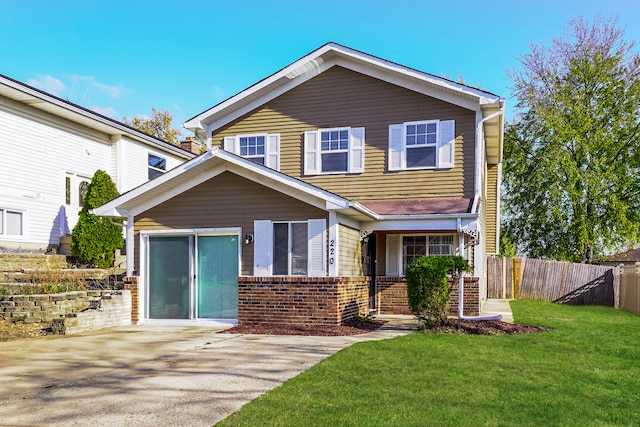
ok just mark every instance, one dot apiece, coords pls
pixel 325 57
pixel 493 129
pixel 35 98
pixel 214 162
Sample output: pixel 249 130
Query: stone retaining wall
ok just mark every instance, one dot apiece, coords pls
pixel 98 308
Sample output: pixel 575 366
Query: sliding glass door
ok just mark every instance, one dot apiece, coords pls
pixel 193 276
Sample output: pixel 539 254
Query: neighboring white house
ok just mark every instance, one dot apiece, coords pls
pixel 49 150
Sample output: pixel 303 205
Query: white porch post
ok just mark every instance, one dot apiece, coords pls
pixel 334 246
pixel 130 245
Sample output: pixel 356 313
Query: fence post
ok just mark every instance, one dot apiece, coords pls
pixel 504 277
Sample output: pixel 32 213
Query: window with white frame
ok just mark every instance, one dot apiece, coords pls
pixel 428 144
pixel 261 148
pixel 416 246
pixel 11 223
pixel 157 166
pixel 334 150
pixel 290 248
pixel 75 188
pixel 252 147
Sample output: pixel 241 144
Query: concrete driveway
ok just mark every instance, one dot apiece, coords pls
pixel 154 375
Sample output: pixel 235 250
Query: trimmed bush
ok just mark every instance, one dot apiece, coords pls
pixel 95 239
pixel 428 286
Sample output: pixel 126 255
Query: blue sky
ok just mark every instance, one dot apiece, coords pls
pixel 121 58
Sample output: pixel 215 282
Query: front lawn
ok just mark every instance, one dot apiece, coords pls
pixel 585 371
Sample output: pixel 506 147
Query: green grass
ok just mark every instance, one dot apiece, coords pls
pixel 585 371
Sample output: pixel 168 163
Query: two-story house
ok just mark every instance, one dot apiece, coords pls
pixel 321 183
pixel 50 148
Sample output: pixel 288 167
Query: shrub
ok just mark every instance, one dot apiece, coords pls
pixel 428 286
pixel 95 239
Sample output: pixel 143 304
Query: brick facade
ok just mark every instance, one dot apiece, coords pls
pixel 301 300
pixel 131 284
pixel 391 295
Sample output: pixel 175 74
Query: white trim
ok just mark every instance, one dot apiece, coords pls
pixel 193 233
pixel 130 244
pixel 24 218
pixel 324 58
pixel 400 247
pixel 334 249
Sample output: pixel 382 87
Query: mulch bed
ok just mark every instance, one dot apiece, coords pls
pixel 356 327
pixel 483 327
pixel 349 327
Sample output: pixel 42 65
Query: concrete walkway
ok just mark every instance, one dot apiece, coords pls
pixel 153 375
pixel 498 306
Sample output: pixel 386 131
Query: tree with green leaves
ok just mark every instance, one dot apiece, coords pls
pixel 160 125
pixel 571 187
pixel 95 239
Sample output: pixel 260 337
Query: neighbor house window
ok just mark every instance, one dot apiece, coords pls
pixel 428 144
pixel 75 189
pixel 261 148
pixel 334 150
pixel 414 247
pixel 11 223
pixel 290 248
pixel 157 166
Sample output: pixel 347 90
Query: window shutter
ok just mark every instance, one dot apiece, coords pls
pixel 446 145
pixel 356 150
pixel 396 148
pixel 230 144
pixel 393 251
pixel 317 229
pixel 311 153
pixel 272 155
pixel 262 247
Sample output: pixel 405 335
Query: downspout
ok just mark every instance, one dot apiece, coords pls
pixel 461 315
pixel 477 190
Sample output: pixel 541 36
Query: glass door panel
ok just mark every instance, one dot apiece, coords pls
pixel 169 273
pixel 218 277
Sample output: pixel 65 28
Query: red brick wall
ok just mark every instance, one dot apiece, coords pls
pixel 131 284
pixel 391 295
pixel 301 300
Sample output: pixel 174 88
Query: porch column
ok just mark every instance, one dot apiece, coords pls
pixel 333 245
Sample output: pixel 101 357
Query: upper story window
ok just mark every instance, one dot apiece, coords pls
pixel 335 150
pixel 11 223
pixel 157 166
pixel 252 147
pixel 426 144
pixel 260 148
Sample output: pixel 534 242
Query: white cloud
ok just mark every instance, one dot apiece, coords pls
pixel 109 112
pixel 90 82
pixel 218 92
pixel 48 84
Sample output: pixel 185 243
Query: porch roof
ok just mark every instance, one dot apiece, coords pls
pixel 419 207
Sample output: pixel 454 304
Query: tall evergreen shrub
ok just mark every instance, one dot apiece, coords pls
pixel 94 239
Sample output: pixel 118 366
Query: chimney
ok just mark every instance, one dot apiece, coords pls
pixel 190 144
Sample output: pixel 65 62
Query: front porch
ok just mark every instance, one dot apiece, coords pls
pixel 322 300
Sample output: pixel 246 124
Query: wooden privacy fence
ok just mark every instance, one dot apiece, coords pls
pixel 557 281
pixel 630 287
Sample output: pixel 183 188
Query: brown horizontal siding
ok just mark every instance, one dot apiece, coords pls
pixel 340 97
pixel 227 200
pixel 349 252
pixel 491 204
